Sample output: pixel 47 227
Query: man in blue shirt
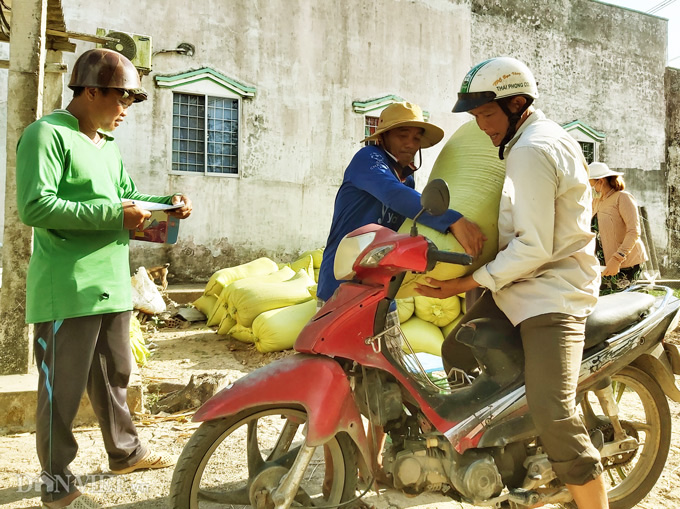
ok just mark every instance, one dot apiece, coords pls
pixel 378 187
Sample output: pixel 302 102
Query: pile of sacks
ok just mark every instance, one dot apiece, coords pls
pixel 268 304
pixel 262 302
pixel 426 321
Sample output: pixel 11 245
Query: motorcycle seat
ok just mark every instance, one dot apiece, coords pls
pixel 614 313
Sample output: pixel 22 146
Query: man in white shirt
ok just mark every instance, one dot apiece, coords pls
pixel 544 278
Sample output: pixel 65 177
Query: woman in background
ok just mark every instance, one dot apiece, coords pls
pixel 618 224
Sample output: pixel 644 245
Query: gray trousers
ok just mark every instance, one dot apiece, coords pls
pixel 553 348
pixel 86 353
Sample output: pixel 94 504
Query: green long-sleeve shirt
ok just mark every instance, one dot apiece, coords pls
pixel 70 190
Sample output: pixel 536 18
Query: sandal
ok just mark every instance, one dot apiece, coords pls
pixel 81 502
pixel 151 460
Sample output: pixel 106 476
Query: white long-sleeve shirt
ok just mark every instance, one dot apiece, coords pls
pixel 546 261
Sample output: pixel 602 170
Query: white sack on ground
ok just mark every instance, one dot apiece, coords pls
pixel 145 294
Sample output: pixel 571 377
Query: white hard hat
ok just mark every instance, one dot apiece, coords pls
pixel 494 79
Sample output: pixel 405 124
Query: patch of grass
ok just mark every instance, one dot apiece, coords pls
pixel 151 399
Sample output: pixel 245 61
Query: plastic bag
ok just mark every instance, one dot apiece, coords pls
pixel 145 294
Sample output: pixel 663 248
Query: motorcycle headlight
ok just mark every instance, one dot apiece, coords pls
pixel 374 256
pixel 348 251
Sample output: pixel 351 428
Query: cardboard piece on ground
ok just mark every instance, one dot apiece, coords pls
pixel 191 314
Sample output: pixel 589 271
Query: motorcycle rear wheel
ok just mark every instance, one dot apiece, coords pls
pixel 644 413
pixel 226 460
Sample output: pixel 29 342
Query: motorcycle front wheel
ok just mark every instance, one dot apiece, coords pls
pixel 232 461
pixel 645 416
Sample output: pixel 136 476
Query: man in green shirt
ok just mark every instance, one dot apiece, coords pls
pixel 73 190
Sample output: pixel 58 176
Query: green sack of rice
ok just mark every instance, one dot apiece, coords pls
pixel 316 275
pixel 423 336
pixel 244 334
pixel 248 302
pixel 226 324
pixel 205 303
pixel 446 330
pixel 278 329
pixel 284 274
pixel 405 308
pixel 223 277
pixel 440 312
pixel 469 164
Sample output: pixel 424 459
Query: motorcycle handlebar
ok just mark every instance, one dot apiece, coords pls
pixel 435 255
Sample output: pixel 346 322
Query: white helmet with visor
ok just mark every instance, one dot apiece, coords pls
pixel 494 79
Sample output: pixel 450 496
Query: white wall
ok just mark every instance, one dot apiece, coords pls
pixel 602 65
pixel 308 61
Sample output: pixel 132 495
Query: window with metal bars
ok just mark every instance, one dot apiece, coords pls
pixel 370 126
pixel 204 134
pixel 588 150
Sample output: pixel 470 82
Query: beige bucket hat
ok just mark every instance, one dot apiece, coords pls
pixel 405 114
pixel 599 170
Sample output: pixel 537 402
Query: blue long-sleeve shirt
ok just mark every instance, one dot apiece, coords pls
pixel 370 193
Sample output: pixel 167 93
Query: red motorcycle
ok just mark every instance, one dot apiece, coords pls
pixel 293 432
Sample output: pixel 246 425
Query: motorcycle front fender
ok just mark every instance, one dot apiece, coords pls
pixel 314 382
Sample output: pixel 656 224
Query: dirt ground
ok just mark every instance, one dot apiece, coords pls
pixel 179 354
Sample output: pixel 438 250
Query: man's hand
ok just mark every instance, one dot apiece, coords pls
pixel 468 235
pixel 448 288
pixel 185 210
pixel 613 267
pixel 133 215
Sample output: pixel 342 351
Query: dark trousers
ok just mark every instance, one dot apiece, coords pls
pixel 86 353
pixel 553 348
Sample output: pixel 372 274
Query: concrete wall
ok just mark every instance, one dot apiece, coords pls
pixel 600 64
pixel 308 61
pixel 673 168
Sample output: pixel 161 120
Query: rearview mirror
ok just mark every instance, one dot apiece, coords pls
pixel 435 197
pixel 434 200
